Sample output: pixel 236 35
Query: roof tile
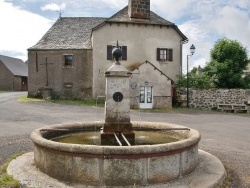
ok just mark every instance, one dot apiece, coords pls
pixel 69 33
pixel 75 32
pixel 16 66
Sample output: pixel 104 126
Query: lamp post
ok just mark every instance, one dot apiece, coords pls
pixel 192 50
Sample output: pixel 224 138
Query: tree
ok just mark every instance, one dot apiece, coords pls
pixel 228 60
pixel 247 81
pixel 197 80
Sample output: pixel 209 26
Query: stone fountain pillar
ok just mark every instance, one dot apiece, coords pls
pixel 117 107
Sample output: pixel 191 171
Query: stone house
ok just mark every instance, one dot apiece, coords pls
pixel 13 74
pixel 76 52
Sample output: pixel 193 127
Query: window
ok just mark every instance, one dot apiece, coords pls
pixel 142 95
pixel 109 52
pixel 68 60
pixel 164 54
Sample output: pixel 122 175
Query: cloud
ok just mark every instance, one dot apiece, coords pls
pixel 20 29
pixel 203 21
pixel 53 7
pixel 171 9
pixel 201 39
pixel 233 23
pixel 101 8
pixel 206 21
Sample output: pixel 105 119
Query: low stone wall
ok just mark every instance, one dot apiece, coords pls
pixel 208 99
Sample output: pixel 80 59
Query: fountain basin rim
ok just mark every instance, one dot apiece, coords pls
pixel 193 137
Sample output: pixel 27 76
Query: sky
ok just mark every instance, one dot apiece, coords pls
pixel 24 22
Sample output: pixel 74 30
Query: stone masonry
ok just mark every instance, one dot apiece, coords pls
pixel 139 9
pixel 209 99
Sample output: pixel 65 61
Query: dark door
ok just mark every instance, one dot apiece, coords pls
pixel 24 84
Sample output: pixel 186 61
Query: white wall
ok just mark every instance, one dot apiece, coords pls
pixel 141 41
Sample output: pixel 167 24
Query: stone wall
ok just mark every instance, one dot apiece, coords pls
pixel 6 78
pixel 139 9
pixel 66 82
pixel 210 98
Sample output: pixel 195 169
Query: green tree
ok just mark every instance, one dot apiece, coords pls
pixel 228 60
pixel 181 82
pixel 247 81
pixel 197 80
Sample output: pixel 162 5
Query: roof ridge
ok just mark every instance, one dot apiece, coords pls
pixel 82 17
pixel 15 65
pixel 122 16
pixel 171 23
pixel 117 13
pixel 10 57
pixel 69 33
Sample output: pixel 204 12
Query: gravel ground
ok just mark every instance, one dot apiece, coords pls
pixel 224 135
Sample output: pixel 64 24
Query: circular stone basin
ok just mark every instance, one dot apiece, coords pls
pixel 96 165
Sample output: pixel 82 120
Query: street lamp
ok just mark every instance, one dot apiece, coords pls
pixel 192 50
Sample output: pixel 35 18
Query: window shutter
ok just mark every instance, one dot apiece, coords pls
pixel 170 52
pixel 109 52
pixel 158 54
pixel 124 52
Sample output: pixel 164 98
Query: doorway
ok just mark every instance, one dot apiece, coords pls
pixel 146 97
pixel 24 84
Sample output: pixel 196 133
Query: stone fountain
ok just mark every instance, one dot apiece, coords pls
pixel 117 110
pixel 126 163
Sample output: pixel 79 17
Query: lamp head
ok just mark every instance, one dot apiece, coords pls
pixel 192 49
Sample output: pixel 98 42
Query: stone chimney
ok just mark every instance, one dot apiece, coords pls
pixel 139 9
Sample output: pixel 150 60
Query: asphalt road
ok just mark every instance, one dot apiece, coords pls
pixel 224 135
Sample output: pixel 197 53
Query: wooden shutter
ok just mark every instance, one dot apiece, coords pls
pixel 158 54
pixel 109 52
pixel 170 52
pixel 124 52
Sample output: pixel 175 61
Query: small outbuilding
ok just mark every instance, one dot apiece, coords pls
pixel 154 91
pixel 13 74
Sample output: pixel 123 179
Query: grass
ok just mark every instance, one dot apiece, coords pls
pixel 82 102
pixel 6 180
pixel 228 179
pixel 27 99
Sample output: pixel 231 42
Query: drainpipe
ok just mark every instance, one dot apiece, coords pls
pixel 181 48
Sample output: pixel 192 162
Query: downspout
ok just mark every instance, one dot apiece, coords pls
pixel 181 48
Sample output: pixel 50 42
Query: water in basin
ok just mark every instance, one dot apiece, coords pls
pixel 141 138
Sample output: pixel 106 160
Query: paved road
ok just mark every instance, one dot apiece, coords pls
pixel 224 135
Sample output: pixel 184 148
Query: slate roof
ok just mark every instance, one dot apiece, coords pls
pixel 16 66
pixel 69 33
pixel 122 16
pixel 75 32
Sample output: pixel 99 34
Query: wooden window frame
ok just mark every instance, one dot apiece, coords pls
pixel 164 54
pixel 68 64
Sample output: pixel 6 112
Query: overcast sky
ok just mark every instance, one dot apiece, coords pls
pixel 24 22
